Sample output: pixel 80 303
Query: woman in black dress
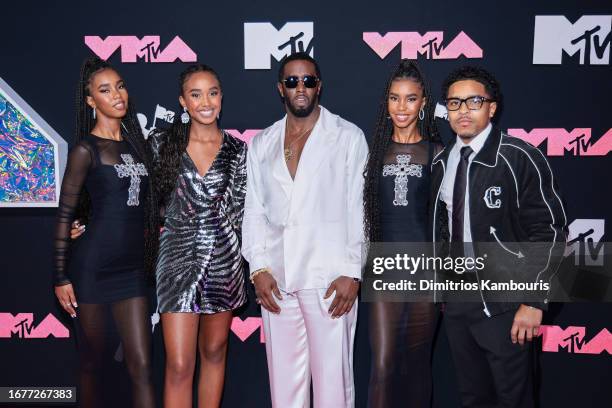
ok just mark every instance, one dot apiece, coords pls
pixel 107 180
pixel 396 196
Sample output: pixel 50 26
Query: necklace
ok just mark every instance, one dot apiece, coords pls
pixel 288 150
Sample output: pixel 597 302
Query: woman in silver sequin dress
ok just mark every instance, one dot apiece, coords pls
pixel 201 177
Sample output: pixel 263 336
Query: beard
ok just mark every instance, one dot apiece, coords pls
pixel 301 112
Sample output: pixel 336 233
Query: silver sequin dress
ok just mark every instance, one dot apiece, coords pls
pixel 200 268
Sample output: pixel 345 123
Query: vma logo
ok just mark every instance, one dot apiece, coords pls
pixel 576 142
pixel 430 44
pixel 22 326
pixel 146 49
pixel 262 40
pixel 589 36
pixel 585 241
pixel 572 340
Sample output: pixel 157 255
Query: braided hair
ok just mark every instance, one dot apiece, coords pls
pixel 383 132
pixel 175 140
pixel 132 133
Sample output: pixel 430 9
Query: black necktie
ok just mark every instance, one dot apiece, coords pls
pixel 459 194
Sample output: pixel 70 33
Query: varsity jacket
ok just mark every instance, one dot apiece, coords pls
pixel 513 200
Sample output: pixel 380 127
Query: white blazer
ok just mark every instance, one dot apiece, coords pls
pixel 308 231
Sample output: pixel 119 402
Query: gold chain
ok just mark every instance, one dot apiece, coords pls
pixel 288 150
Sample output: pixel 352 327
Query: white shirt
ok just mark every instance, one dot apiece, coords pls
pixel 448 183
pixel 307 230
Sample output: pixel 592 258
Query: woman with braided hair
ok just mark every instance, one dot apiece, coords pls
pixel 201 180
pixel 108 181
pixel 396 195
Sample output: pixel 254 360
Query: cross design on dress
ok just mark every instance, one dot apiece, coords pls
pixel 401 171
pixel 133 171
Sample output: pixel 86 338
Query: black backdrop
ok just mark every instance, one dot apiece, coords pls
pixel 43 46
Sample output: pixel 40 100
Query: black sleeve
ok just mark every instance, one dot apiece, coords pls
pixel 543 217
pixel 79 162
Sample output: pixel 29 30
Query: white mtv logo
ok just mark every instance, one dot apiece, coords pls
pixel 262 40
pixel 161 113
pixel 586 240
pixel 589 35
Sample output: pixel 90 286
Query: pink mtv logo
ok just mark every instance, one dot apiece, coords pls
pixel 22 324
pixel 572 340
pixel 147 48
pixel 429 44
pixel 577 142
pixel 245 136
pixel 245 328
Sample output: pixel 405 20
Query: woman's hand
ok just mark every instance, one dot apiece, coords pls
pixel 65 295
pixel 76 229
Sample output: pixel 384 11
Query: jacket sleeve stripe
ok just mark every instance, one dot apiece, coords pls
pixel 514 177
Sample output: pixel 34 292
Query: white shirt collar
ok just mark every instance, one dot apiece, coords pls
pixel 477 142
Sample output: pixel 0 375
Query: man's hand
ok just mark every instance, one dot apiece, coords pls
pixel 265 290
pixel 77 229
pixel 346 289
pixel 526 324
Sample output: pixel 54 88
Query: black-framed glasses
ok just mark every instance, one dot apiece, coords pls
pixel 472 102
pixel 309 81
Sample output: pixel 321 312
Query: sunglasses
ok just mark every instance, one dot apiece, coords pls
pixel 309 81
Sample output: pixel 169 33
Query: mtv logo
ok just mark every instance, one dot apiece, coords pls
pixel 22 325
pixel 161 113
pixel 585 241
pixel 572 340
pixel 262 40
pixel 576 142
pixel 589 35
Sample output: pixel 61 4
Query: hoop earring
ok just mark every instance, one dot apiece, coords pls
pixel 94 113
pixel 421 114
pixel 185 116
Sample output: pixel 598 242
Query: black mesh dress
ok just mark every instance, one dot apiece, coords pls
pixel 401 333
pixel 105 265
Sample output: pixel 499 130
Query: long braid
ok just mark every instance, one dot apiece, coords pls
pixel 381 140
pixel 85 122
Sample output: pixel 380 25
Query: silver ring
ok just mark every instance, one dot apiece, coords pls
pixel 258 301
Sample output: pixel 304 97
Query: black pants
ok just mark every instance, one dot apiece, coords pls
pixel 491 371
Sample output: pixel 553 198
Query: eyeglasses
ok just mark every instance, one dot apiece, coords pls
pixel 472 102
pixel 309 81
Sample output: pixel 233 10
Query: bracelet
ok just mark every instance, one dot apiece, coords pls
pixel 257 272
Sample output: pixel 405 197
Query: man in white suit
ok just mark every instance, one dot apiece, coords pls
pixel 302 236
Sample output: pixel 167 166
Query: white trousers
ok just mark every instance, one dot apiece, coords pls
pixel 304 342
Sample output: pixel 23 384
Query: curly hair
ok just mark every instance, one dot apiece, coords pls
pixel 132 133
pixel 383 132
pixel 479 75
pixel 175 140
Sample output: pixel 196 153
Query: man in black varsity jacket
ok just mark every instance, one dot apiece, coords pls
pixel 488 187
